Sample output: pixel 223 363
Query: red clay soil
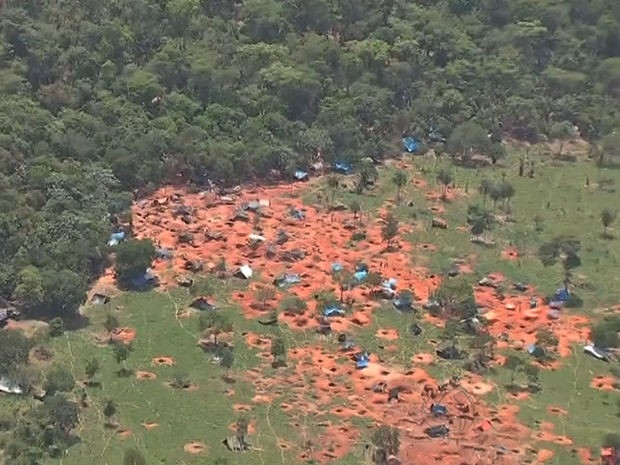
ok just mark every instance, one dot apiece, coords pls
pixel 604 383
pixel 510 253
pixel 195 447
pixel 317 380
pixel 149 425
pixel 142 375
pixel 163 360
pixel 123 335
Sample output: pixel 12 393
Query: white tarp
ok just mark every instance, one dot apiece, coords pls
pixel 9 387
pixel 245 271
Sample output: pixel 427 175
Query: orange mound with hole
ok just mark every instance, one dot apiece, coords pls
pixel 510 253
pixel 150 425
pixel 145 375
pixel 604 383
pixel 163 360
pixel 123 433
pixel 123 335
pixel 387 334
pixel 195 447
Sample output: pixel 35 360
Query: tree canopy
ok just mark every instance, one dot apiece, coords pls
pixel 100 102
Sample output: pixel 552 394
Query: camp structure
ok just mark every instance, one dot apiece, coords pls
pixel 244 272
pixel 99 299
pixel 234 444
pixel 202 303
pixel 596 352
pixel 9 386
pixel 439 431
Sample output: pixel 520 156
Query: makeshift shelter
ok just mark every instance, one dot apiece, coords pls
pixel 253 206
pixel 596 352
pixel 360 275
pixel 393 394
pixel 439 431
pixel 164 254
pixel 116 238
pixel 281 237
pixel 234 444
pixel 610 456
pixel 388 288
pixel 403 302
pixel 450 352
pixel 99 299
pixel 337 267
pixel 9 386
pixel 244 272
pixel 301 175
pixel 292 255
pixel 342 167
pixel 8 314
pixel 438 410
pixel 562 295
pixel 535 351
pixel 325 327
pixel 144 281
pixel 411 144
pixel 519 287
pixel 202 303
pixel 415 329
pixel 296 214
pixel 362 360
pixel 287 280
pixel 333 309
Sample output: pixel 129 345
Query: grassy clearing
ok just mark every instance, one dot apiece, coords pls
pixel 200 415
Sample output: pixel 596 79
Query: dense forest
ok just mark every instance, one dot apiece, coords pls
pixel 102 99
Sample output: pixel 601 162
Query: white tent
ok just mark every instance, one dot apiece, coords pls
pixel 245 271
pixel 9 387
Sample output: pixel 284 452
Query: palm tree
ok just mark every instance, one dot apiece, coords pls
pixel 333 183
pixel 486 186
pixel 400 179
pixel 445 178
pixel 607 218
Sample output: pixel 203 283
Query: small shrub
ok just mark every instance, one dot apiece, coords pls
pixel 293 304
pixel 180 380
pixel 56 327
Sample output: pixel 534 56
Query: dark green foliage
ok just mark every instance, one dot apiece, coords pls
pixel 133 257
pixel 133 457
pixel 605 332
pixel 58 379
pixel 14 349
pixel 56 327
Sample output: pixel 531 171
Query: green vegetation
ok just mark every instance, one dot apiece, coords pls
pixel 515 105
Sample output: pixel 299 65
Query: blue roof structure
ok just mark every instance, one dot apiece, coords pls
pixel 411 144
pixel 287 280
pixel 562 295
pixel 333 310
pixel 296 213
pixel 116 238
pixel 439 410
pixel 336 267
pixel 301 175
pixel 342 167
pixel 360 275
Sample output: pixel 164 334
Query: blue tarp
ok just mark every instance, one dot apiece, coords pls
pixel 360 275
pixel 361 360
pixel 287 280
pixel 411 144
pixel 361 267
pixel 296 213
pixel 562 295
pixel 301 175
pixel 336 267
pixel 439 410
pixel 115 238
pixel 333 310
pixel 342 167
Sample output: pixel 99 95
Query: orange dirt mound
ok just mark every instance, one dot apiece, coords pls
pixel 604 383
pixel 510 253
pixel 544 455
pixel 556 411
pixel 388 334
pixel 145 375
pixel 150 425
pixel 242 408
pixel 123 433
pixel 423 358
pixel 163 360
pixel 124 335
pixel 194 447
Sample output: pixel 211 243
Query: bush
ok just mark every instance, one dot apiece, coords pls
pixel 293 304
pixel 612 440
pixel 605 333
pixel 56 327
pixel 58 379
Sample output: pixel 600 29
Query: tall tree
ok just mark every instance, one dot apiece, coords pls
pixel 400 179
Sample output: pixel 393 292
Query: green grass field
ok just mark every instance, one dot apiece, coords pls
pixel 557 194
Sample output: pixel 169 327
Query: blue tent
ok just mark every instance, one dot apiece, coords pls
pixel 115 238
pixel 342 167
pixel 439 410
pixel 361 360
pixel 296 213
pixel 301 175
pixel 336 267
pixel 562 295
pixel 411 144
pixel 333 310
